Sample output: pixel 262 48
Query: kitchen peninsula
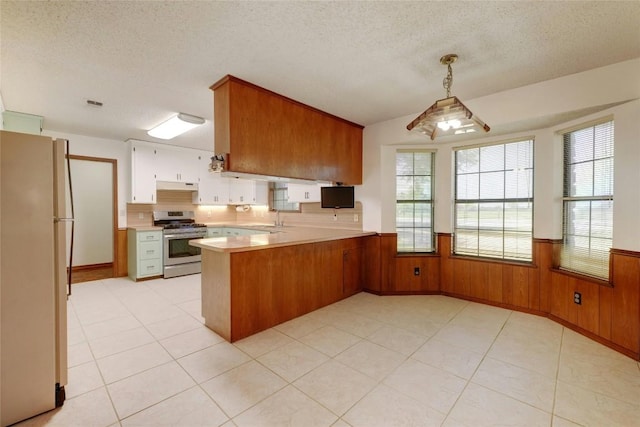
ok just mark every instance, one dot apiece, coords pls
pixel 251 283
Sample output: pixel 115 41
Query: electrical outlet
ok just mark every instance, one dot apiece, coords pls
pixel 209 213
pixel 416 271
pixel 355 217
pixel 335 217
pixel 577 298
pixel 140 215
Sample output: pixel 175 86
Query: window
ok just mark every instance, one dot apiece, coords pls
pixel 588 200
pixel 414 203
pixel 279 199
pixel 494 201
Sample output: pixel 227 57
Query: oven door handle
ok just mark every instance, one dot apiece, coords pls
pixel 185 236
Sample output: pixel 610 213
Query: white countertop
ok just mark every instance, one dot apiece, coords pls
pixel 275 237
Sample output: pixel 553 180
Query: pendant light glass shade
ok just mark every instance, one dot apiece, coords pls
pixel 448 115
pixel 175 126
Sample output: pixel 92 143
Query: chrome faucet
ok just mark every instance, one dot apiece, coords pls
pixel 278 223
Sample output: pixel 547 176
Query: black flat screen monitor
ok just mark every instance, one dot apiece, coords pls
pixel 337 197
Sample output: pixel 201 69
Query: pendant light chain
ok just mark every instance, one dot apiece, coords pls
pixel 448 81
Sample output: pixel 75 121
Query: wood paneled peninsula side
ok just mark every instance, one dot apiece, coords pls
pixel 251 283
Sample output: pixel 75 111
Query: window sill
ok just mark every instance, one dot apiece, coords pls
pixel 417 254
pixel 529 264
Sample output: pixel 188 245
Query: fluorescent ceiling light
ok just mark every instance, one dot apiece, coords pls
pixel 448 115
pixel 176 125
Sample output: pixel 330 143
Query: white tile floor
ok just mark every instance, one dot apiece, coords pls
pixel 140 356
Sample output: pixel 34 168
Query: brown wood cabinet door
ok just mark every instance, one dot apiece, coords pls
pixel 264 133
pixel 352 271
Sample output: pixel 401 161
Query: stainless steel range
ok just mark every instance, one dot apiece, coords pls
pixel 178 228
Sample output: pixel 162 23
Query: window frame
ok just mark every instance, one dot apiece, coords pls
pixel 498 233
pixel 413 201
pixel 592 267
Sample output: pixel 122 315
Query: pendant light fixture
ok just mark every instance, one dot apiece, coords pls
pixel 447 116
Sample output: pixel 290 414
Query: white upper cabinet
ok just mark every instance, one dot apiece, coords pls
pixel 261 193
pixel 248 192
pixel 213 189
pixel 178 164
pixel 143 173
pixel 303 193
pixel 241 191
pixel 152 162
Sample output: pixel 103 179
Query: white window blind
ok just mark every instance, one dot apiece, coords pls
pixel 588 200
pixel 494 201
pixel 414 200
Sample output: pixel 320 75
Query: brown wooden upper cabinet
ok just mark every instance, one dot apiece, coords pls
pixel 261 132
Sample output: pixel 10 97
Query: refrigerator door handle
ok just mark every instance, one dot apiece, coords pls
pixel 63 219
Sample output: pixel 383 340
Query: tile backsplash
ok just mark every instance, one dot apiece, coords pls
pixel 311 215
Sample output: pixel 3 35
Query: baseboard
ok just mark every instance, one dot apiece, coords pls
pixel 89 267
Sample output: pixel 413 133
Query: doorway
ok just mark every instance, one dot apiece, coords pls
pixel 94 183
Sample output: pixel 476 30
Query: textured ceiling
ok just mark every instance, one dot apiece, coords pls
pixel 363 61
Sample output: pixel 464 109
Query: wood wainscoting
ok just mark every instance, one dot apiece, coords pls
pixel 609 312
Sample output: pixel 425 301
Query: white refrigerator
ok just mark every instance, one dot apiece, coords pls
pixel 33 275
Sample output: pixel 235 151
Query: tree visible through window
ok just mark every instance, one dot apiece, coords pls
pixel 588 200
pixel 414 204
pixel 494 201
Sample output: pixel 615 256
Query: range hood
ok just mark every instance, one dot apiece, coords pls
pixel 176 186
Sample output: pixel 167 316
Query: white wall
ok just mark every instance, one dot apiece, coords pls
pixel 570 94
pixel 82 145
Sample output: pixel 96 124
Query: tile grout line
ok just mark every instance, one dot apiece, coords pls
pixel 555 385
pixel 484 356
pixel 95 361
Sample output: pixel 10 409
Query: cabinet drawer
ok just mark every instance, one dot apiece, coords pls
pixel 149 236
pixel 214 231
pixel 150 250
pixel 149 267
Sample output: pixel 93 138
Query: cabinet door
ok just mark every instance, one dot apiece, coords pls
pixel 214 231
pixel 213 190
pixel 261 193
pixel 168 166
pixel 143 174
pixel 352 270
pixel 177 165
pixel 303 193
pixel 190 161
pixel 241 191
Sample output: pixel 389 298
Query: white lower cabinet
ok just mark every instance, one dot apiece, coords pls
pixel 231 231
pixel 145 253
pixel 214 231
